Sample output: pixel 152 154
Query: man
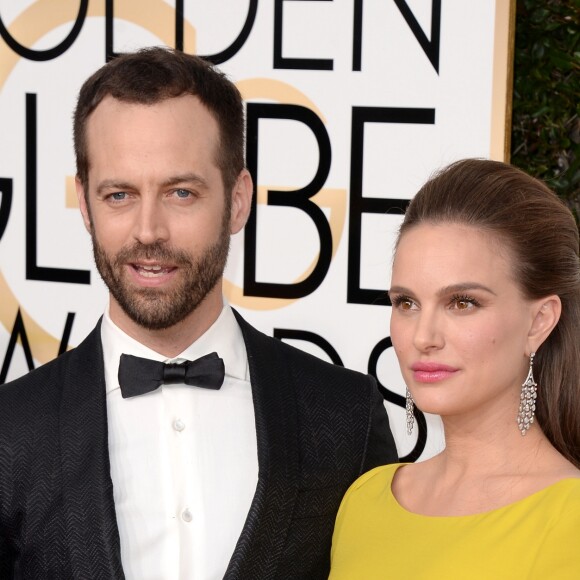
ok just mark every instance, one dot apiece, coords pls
pixel 107 470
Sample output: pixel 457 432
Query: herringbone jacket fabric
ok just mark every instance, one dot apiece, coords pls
pixel 318 428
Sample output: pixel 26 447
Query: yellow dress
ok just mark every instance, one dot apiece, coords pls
pixel 537 537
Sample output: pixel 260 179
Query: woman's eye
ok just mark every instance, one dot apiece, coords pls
pixel 403 303
pixel 463 303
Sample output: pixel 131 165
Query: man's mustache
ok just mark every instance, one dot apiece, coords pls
pixel 157 251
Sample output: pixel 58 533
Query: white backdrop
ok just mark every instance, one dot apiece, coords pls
pixel 356 103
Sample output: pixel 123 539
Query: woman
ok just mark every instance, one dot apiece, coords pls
pixel 486 328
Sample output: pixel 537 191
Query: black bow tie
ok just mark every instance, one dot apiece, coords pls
pixel 138 376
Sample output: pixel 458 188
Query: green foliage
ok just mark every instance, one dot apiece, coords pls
pixel 545 136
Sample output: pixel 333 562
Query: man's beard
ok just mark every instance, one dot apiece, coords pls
pixel 160 308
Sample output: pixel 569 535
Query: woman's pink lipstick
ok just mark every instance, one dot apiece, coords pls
pixel 426 372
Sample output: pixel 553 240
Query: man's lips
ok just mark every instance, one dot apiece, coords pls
pixel 152 270
pixel 430 372
pixel 151 274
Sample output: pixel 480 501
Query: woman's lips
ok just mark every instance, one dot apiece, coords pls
pixel 431 372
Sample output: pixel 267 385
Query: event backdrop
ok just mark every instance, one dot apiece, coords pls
pixel 351 105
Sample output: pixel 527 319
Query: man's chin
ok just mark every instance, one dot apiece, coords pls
pixel 154 319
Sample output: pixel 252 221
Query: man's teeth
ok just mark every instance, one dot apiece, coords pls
pixel 151 270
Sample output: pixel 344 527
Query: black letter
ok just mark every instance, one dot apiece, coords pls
pixel 66 333
pixel 357 35
pixel 430 47
pixel 110 54
pixel 18 330
pixel 294 63
pixel 33 271
pixel 40 55
pixel 179 16
pixel 217 58
pixel 299 198
pixel 322 343
pixel 360 204
pixel 5 204
pixel 398 400
pixel 233 49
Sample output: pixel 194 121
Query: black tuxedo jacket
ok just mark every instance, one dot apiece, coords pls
pixel 318 428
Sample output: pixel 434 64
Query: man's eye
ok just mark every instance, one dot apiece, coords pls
pixel 118 196
pixel 182 193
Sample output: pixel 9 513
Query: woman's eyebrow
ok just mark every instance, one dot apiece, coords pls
pixel 450 289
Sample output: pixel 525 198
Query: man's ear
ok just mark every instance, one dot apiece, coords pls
pixel 241 201
pixel 546 315
pixel 83 203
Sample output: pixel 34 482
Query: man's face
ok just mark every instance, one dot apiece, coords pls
pixel 157 210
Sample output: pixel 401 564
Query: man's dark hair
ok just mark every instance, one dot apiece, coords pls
pixel 152 75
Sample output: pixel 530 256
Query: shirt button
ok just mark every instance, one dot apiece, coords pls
pixel 186 515
pixel 178 425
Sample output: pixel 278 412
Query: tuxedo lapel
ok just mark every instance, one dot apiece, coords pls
pixel 88 505
pixel 263 537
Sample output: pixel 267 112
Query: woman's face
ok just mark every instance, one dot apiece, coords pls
pixel 459 323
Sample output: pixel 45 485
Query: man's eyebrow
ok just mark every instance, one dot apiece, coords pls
pixel 194 178
pixel 118 185
pixel 110 184
pixel 451 289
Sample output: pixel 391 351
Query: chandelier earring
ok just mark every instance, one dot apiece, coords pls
pixel 409 412
pixel 528 398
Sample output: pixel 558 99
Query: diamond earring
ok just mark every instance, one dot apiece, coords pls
pixel 528 398
pixel 409 408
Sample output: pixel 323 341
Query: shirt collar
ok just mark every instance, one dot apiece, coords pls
pixel 224 336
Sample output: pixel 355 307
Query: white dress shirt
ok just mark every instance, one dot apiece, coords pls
pixel 183 460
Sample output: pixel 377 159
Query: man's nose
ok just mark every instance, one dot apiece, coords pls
pixel 150 222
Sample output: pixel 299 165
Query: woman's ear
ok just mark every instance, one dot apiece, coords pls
pixel 546 315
